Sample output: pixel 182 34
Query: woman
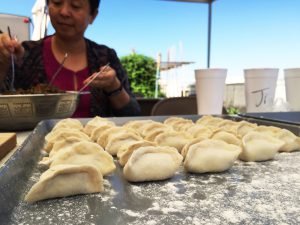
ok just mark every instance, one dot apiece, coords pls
pixel 72 59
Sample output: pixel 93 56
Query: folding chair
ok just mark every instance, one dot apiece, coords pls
pixel 175 106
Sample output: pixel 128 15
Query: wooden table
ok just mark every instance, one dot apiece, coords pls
pixel 21 136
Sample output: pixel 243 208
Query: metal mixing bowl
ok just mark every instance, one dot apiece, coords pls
pixel 24 112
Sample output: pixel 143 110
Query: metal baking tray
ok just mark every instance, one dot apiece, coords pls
pixel 249 193
pixel 284 117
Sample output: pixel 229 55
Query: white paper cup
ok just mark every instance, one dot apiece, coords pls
pixel 210 85
pixel 292 86
pixel 260 86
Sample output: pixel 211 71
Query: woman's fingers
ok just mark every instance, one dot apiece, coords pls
pixel 104 79
pixel 10 46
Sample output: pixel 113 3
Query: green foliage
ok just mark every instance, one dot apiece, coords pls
pixel 141 72
pixel 232 110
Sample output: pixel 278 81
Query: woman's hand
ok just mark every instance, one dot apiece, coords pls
pixel 106 80
pixel 9 46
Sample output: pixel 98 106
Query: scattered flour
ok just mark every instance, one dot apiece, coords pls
pixel 249 193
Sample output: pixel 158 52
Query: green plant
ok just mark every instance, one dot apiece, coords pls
pixel 232 110
pixel 141 72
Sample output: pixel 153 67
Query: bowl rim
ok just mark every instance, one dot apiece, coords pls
pixel 39 95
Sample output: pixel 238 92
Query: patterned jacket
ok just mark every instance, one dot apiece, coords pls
pixel 32 72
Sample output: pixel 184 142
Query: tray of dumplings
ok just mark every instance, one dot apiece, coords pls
pixel 154 170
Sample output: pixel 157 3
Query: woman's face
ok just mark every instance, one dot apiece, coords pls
pixel 70 18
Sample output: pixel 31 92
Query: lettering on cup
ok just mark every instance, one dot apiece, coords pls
pixel 263 96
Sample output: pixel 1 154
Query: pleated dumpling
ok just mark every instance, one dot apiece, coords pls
pixel 271 130
pixel 228 125
pixel 68 123
pixel 63 143
pixel 125 154
pixel 243 128
pixel 259 146
pixel 151 135
pixel 204 119
pixel 150 127
pixel 58 146
pixel 104 137
pixel 211 156
pixel 173 138
pixel 94 123
pixel 152 163
pixel 98 131
pixel 121 142
pixel 291 141
pixel 178 123
pixel 213 123
pixel 85 153
pixel 173 119
pixel 226 136
pixel 190 143
pixel 137 125
pixel 66 180
pixel 198 130
pixel 61 134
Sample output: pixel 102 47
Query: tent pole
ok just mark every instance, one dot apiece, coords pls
pixel 209 33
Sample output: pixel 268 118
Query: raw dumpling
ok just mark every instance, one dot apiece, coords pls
pixel 243 128
pixel 121 142
pixel 173 119
pixel 68 123
pixel 291 141
pixel 189 144
pixel 173 139
pixel 213 123
pixel 152 163
pixel 271 130
pixel 228 125
pixel 198 130
pixel 57 146
pixel 100 130
pixel 178 123
pixel 204 119
pixel 182 125
pixel 66 180
pixel 61 144
pixel 97 121
pixel 111 132
pixel 259 147
pixel 137 125
pixel 61 134
pixel 85 153
pixel 152 134
pixel 150 127
pixel 227 137
pixel 125 154
pixel 211 156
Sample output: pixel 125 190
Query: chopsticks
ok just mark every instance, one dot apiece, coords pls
pixel 58 70
pixel 93 77
pixel 12 64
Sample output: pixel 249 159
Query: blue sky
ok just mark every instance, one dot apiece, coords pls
pixel 245 33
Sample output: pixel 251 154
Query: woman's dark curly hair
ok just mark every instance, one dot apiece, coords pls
pixel 94 4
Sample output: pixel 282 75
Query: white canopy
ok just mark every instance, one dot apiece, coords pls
pixel 40 19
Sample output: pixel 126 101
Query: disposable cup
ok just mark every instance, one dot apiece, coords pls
pixel 292 85
pixel 260 87
pixel 210 85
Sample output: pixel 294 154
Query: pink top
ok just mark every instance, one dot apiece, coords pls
pixel 67 79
